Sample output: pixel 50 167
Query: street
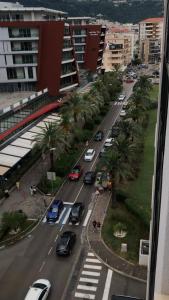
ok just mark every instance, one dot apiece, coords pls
pixel 35 257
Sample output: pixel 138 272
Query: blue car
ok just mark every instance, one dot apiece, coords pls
pixel 54 211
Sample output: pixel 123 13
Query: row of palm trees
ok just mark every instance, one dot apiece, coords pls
pixel 123 159
pixel 78 110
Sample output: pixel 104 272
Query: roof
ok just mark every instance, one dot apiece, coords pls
pixel 153 20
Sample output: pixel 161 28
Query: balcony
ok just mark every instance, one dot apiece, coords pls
pixel 67 49
pixel 69 73
pixel 67 61
pixel 68 87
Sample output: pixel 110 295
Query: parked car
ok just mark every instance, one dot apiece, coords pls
pixel 75 173
pixel 121 97
pixel 89 177
pixel 89 155
pixel 39 290
pixel 65 243
pixel 108 142
pixel 122 113
pixel 102 152
pixel 76 212
pixel 54 211
pixel 99 136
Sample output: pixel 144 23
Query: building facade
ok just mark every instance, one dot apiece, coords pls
pixel 36 50
pixel 158 271
pixel 150 39
pixel 88 41
pixel 118 51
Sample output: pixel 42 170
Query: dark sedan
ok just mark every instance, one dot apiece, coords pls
pixel 76 213
pixel 65 244
pixel 89 177
pixel 99 136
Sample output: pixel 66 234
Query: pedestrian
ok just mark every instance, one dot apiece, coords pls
pixel 98 225
pixel 34 190
pixel 6 192
pixel 31 190
pixel 87 143
pixel 18 185
pixel 94 224
pixel 97 193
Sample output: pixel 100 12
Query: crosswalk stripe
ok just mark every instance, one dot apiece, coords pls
pixel 93 260
pixel 107 285
pixel 87 288
pixel 87 218
pixel 88 273
pixel 92 267
pixel 90 254
pixel 66 217
pixel 85 296
pixel 61 215
pixel 91 280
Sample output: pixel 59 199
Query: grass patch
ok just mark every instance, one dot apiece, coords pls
pixel 134 232
pixel 154 93
pixel 139 191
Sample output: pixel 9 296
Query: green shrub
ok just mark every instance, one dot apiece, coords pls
pixel 48 186
pixel 89 125
pixel 97 119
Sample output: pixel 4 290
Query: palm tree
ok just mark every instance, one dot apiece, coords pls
pixel 51 138
pixel 143 84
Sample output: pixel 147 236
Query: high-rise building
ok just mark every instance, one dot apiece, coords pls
pixel 150 39
pixel 89 41
pixel 158 271
pixel 37 49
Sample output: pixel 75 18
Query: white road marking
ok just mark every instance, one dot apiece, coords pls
pixel 87 288
pixel 70 223
pixel 93 260
pixel 42 266
pixel 44 220
pixel 85 296
pixel 96 274
pixel 78 193
pixel 107 285
pixel 87 218
pixel 69 203
pixel 61 215
pixel 56 238
pixel 91 280
pixel 61 228
pixel 67 216
pixel 92 267
pixel 50 250
pixel 90 254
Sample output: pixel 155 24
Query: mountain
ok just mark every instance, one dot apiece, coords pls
pixel 121 11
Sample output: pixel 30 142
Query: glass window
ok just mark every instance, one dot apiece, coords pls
pixel 30 72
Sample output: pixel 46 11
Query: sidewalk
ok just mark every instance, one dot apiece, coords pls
pixel 33 206
pixel 102 251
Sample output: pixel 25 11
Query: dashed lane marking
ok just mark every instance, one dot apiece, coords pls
pixel 67 216
pixel 87 218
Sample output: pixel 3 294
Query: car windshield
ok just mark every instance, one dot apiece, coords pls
pixel 89 153
pixel 54 209
pixel 64 240
pixel 76 171
pixel 75 211
pixel 39 285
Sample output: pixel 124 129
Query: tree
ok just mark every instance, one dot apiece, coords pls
pixel 143 84
pixel 51 138
pixel 12 221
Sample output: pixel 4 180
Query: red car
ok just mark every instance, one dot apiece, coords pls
pixel 76 173
pixel 129 80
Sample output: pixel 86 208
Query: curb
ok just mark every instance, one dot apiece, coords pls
pixel 107 265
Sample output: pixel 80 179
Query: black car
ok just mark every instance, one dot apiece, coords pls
pixel 102 152
pixel 89 177
pixel 99 136
pixel 76 212
pixel 65 243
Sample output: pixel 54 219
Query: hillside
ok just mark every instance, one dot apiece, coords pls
pixel 131 11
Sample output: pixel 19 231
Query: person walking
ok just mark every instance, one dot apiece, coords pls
pixel 94 224
pixel 31 190
pixel 6 192
pixel 98 225
pixel 18 185
pixel 87 143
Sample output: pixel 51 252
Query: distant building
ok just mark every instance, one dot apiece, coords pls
pixel 150 40
pixel 89 40
pixel 119 49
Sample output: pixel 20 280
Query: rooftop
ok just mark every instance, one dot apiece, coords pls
pixel 153 20
pixel 7 99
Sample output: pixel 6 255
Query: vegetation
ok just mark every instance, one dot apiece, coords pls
pixel 132 12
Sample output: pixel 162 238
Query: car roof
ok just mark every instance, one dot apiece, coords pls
pixel 77 204
pixel 90 150
pixel 33 294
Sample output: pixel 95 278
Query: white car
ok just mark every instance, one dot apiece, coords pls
pixel 122 113
pixel 89 155
pixel 121 97
pixel 108 142
pixel 39 290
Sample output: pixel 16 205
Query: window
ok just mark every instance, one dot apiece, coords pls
pixel 11 73
pixel 66 30
pixel 67 55
pixel 77 22
pixel 24 59
pixel 30 72
pixel 79 57
pixel 15 73
pixel 79 48
pixel 79 40
pixel 67 44
pixel 68 68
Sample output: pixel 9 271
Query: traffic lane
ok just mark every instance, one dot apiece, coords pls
pixel 123 285
pixel 58 269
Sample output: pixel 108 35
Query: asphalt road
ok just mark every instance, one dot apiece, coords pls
pixel 35 257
